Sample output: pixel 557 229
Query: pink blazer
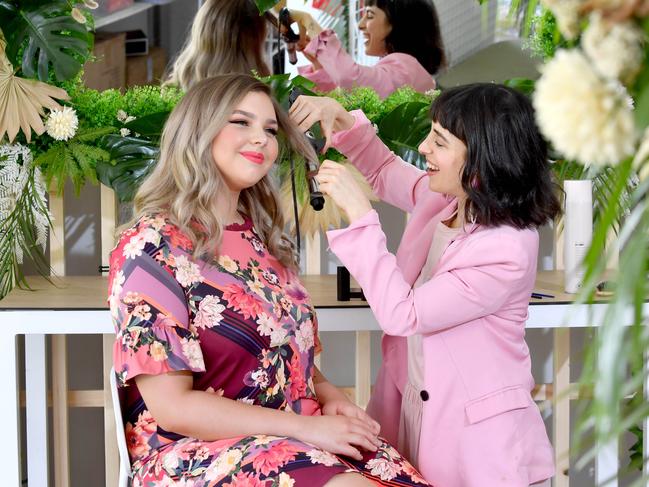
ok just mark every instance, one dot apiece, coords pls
pixel 339 69
pixel 480 426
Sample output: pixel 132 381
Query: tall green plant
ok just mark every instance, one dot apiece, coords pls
pixel 617 54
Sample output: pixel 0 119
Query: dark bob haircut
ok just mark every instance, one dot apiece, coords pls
pixel 507 175
pixel 415 31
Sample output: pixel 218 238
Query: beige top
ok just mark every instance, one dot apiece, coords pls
pixel 443 236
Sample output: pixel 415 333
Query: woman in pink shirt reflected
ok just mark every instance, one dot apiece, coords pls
pixel 454 389
pixel 405 34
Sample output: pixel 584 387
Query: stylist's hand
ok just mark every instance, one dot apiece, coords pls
pixel 336 181
pixel 308 110
pixel 306 24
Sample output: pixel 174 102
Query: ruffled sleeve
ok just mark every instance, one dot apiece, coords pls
pixel 148 304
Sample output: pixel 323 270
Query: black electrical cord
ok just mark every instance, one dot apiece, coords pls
pixel 295 212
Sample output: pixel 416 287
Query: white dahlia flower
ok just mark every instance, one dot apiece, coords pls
pixel 615 49
pixel 584 117
pixel 62 124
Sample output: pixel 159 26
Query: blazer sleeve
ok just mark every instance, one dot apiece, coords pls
pixel 492 271
pixel 320 77
pixel 392 72
pixel 392 179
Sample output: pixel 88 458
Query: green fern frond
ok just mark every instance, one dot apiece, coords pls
pixel 92 134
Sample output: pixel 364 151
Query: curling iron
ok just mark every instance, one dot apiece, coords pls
pixel 283 24
pixel 316 198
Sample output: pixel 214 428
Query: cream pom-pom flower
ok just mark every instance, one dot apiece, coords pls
pixel 615 49
pixel 584 117
pixel 62 124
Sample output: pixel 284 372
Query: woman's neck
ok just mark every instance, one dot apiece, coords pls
pixel 228 206
pixel 457 220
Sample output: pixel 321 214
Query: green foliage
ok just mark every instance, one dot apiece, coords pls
pixel 75 159
pixel 640 89
pixel 545 36
pixel 265 5
pixel 604 180
pixel 149 126
pixel 19 228
pixel 99 109
pixel 281 86
pixel 42 36
pixel 524 85
pixel 367 100
pixel 404 128
pixel 131 159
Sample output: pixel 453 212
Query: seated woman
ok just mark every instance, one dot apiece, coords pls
pixel 404 33
pixel 227 36
pixel 216 337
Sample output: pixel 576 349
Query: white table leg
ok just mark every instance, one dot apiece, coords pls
pixel 363 381
pixel 561 406
pixel 10 446
pixel 111 455
pixel 36 410
pixel 60 427
pixel 607 465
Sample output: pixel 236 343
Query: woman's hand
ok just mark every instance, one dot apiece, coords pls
pixel 306 24
pixel 344 407
pixel 339 434
pixel 307 110
pixel 336 181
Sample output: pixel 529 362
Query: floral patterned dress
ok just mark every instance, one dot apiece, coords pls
pixel 244 326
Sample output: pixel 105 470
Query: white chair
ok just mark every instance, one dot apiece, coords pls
pixel 125 473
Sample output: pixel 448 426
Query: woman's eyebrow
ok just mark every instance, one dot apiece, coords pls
pixel 439 134
pixel 253 116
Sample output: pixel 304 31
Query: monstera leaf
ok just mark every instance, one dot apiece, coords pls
pixel 131 160
pixel 281 86
pixel 41 36
pixel 404 128
pixel 265 5
pixel 149 125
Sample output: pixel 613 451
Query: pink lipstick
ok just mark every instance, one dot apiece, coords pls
pixel 255 157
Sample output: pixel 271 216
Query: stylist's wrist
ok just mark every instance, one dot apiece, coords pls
pixel 358 211
pixel 344 121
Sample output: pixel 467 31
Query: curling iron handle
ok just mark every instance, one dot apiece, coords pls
pixel 316 198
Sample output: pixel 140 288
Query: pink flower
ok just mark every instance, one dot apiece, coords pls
pixel 243 479
pixel 411 472
pixel 385 469
pixel 146 422
pixel 296 291
pixel 276 456
pixel 136 442
pixel 239 300
pixel 177 238
pixel 297 386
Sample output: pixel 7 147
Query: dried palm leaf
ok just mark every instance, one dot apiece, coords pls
pixel 331 215
pixel 22 101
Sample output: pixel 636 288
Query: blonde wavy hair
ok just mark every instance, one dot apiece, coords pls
pixel 227 37
pixel 185 182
